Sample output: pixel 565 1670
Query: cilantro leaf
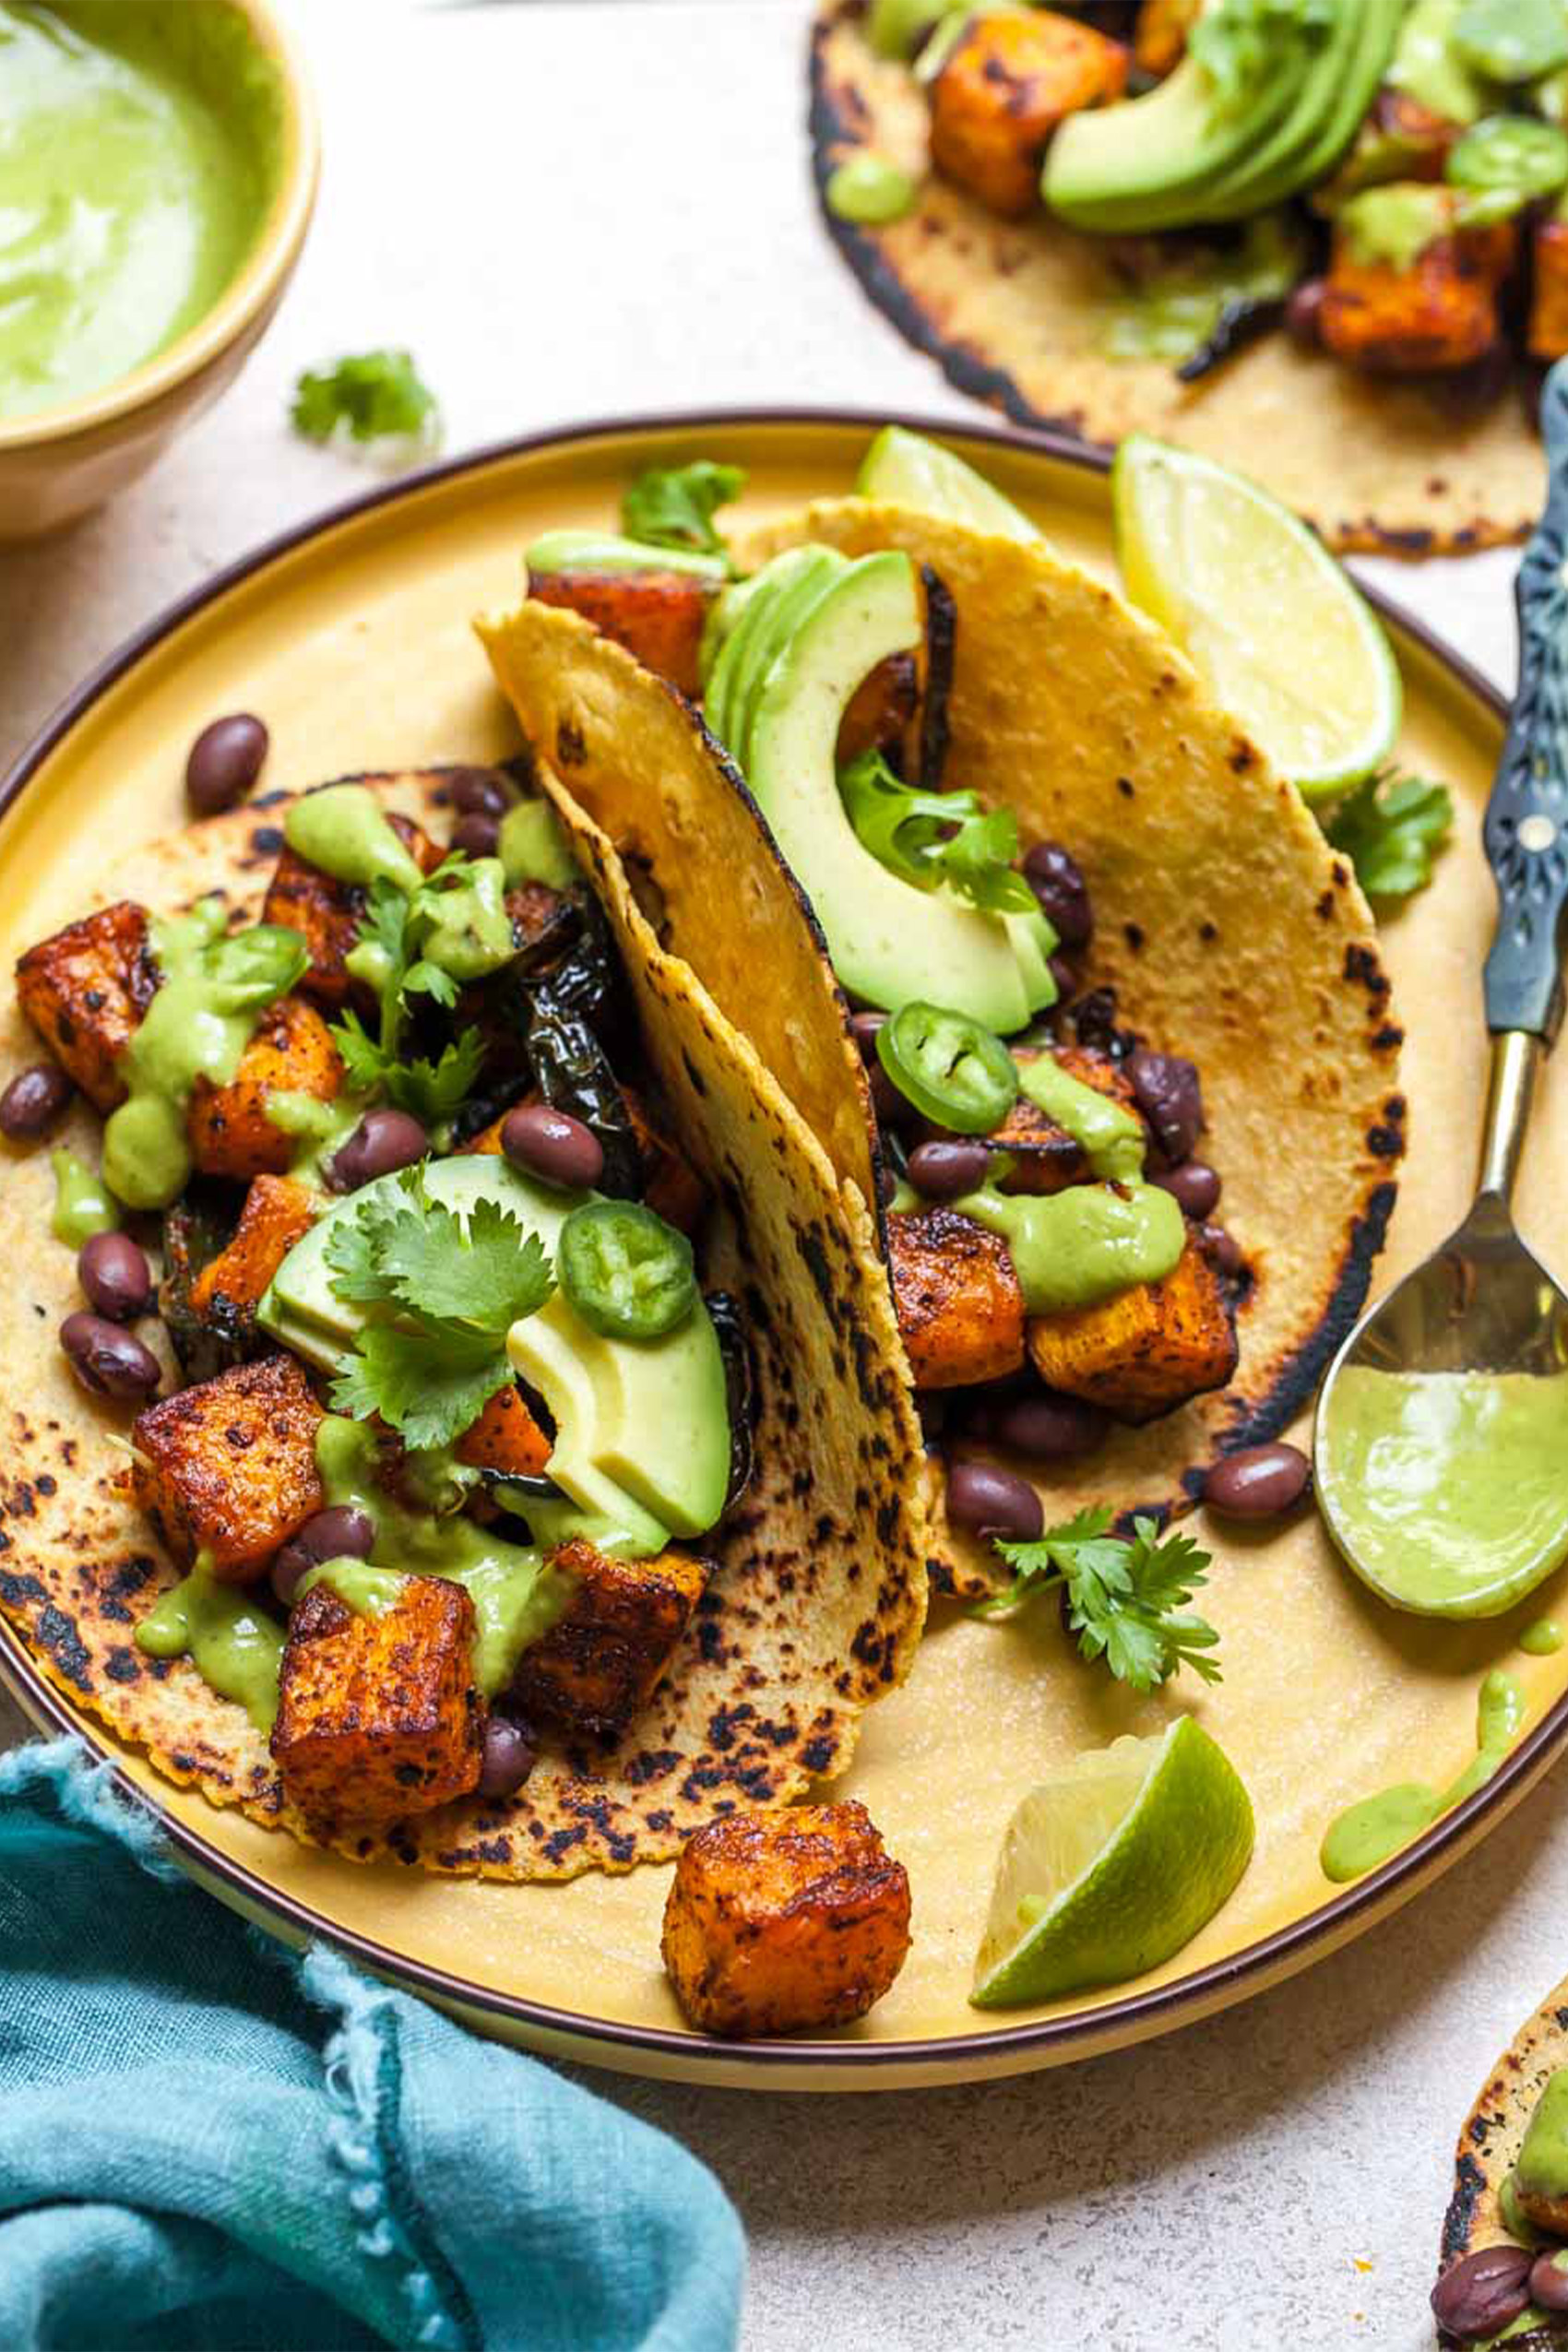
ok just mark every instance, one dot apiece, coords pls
pixel 931 837
pixel 372 396
pixel 387 957
pixel 484 1279
pixel 674 505
pixel 1390 828
pixel 428 1385
pixel 435 1091
pixel 1238 41
pixel 1126 1595
pixel 362 1059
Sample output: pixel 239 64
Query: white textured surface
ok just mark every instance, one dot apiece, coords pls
pixel 570 210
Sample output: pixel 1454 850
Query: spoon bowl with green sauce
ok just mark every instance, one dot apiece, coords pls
pixel 158 163
pixel 1442 1446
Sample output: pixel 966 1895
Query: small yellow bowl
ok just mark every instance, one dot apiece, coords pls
pixel 61 461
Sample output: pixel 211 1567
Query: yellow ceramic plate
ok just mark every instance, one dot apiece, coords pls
pixel 353 639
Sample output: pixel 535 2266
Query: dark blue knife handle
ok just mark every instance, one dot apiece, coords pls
pixel 1526 818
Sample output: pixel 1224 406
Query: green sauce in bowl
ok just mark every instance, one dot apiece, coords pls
pixel 140 150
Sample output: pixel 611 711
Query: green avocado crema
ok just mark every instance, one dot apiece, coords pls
pixel 1371 1833
pixel 139 156
pixel 1111 1136
pixel 345 831
pixel 869 189
pixel 1542 2169
pixel 83 1205
pixel 1542 1639
pixel 1071 1249
pixel 472 934
pixel 234 1644
pixel 533 847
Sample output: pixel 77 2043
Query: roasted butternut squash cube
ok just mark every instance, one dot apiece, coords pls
pixel 276 1214
pixel 1047 1158
pixel 959 1300
pixel 379 1715
pixel 1004 86
pixel 657 615
pixel 291 1051
pixel 780 1921
pixel 85 991
pixel 327 912
pixel 1548 297
pixel 1439 315
pixel 1159 36
pixel 505 1437
pixel 228 1467
pixel 603 1657
pixel 1148 1350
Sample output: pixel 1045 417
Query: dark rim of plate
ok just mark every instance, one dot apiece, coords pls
pixel 1054 2039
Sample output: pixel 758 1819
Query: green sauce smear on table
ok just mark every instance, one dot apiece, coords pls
pixel 138 155
pixel 1374 1830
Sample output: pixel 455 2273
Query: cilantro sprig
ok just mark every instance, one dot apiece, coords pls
pixel 1391 827
pixel 1126 1595
pixel 674 505
pixel 937 837
pixel 442 1297
pixel 393 930
pixel 370 396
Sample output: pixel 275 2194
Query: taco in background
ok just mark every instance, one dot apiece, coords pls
pixel 1504 2254
pixel 521 1494
pixel 1120 1006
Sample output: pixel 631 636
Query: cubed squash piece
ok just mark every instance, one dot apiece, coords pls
pixel 505 1437
pixel 1439 315
pixel 1159 36
pixel 379 1715
pixel 959 1304
pixel 657 615
pixel 228 1467
pixel 326 911
pixel 1148 1350
pixel 276 1214
pixel 1047 1158
pixel 603 1657
pixel 1003 88
pixel 780 1921
pixel 291 1051
pixel 85 991
pixel 1549 299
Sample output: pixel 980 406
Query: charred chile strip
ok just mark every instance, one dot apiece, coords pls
pixel 740 1387
pixel 940 639
pixel 1238 324
pixel 573 1072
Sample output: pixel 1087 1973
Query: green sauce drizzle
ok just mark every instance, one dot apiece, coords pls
pixel 1111 1136
pixel 1371 1832
pixel 1542 1638
pixel 533 847
pixel 234 1645
pixel 1071 1249
pixel 869 190
pixel 318 1128
pixel 473 932
pixel 83 1206
pixel 344 830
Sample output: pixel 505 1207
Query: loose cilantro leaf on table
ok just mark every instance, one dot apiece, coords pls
pixel 392 931
pixel 1126 1595
pixel 674 505
pixel 937 837
pixel 1390 828
pixel 430 1363
pixel 374 396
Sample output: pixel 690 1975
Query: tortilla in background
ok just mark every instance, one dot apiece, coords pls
pixel 1013 313
pixel 817 1598
pixel 1489 2147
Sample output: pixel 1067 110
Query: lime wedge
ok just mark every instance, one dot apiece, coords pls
pixel 1112 1865
pixel 908 471
pixel 1264 612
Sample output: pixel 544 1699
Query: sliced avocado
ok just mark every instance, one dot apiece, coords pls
pixel 608 551
pixel 1334 98
pixel 1034 944
pixel 909 470
pixel 889 941
pixel 782 616
pixel 1428 69
pixel 789 584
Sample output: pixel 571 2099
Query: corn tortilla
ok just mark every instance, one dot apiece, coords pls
pixel 1489 2143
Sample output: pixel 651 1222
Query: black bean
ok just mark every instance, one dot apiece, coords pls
pixel 1222 1249
pixel 1167 1091
pixel 383 1141
pixel 993 1502
pixel 1195 1186
pixel 477 834
pixel 1303 312
pixel 1047 1429
pixel 107 1360
pixel 341 1532
pixel 35 1098
pixel 943 1170
pixel 553 1145
pixel 479 792
pixel 224 762
pixel 1483 2293
pixel 863 1028
pixel 1064 973
pixel 1549 2285
pixel 1057 880
pixel 115 1278
pixel 892 1107
pixel 508 1758
pixel 1260 1482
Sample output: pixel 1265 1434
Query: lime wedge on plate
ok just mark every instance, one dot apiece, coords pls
pixel 908 471
pixel 1264 611
pixel 1113 1864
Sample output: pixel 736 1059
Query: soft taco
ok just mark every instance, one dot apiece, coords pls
pixel 1504 2265
pixel 531 1479
pixel 1330 253
pixel 1122 1078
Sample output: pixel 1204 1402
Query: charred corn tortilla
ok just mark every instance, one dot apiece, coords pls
pixel 1232 932
pixel 1489 2142
pixel 818 1595
pixel 1014 310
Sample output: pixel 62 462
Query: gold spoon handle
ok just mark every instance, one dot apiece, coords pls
pixel 1515 1058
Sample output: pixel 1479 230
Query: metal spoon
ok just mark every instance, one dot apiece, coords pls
pixel 1483 1302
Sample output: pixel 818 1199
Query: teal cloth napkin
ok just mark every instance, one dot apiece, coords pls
pixel 208 2144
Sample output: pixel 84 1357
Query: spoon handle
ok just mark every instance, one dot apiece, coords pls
pixel 1526 818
